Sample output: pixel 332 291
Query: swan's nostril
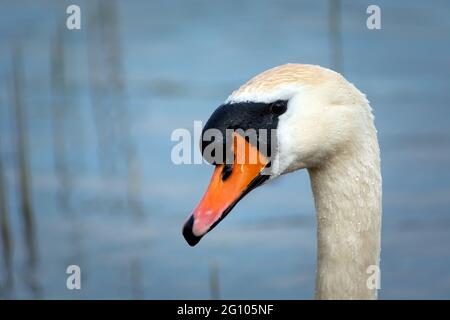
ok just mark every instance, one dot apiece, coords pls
pixel 226 172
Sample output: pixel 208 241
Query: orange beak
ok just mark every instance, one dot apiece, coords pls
pixel 229 183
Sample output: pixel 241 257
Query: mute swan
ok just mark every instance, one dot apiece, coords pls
pixel 324 124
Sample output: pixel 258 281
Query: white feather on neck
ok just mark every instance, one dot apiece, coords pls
pixel 347 194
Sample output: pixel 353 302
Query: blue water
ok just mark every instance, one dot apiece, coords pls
pixel 180 60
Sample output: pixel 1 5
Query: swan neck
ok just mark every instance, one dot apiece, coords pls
pixel 347 195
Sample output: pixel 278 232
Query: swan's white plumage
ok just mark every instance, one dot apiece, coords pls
pixel 328 129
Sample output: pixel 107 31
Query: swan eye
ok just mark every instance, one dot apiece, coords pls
pixel 278 107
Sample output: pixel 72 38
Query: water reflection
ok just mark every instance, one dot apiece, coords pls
pixel 85 124
pixel 6 284
pixel 23 176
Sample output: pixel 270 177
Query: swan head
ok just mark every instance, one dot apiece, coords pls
pixel 287 118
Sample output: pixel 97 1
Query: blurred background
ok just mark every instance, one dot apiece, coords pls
pixel 86 117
